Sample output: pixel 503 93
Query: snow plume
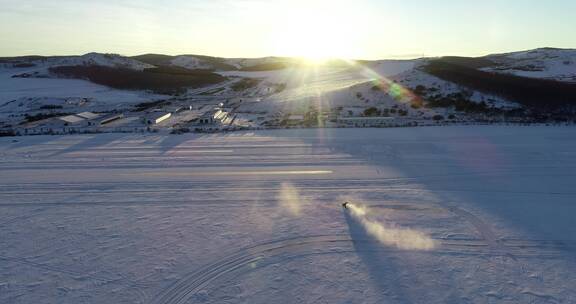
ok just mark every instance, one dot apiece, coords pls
pixel 402 238
pixel 289 198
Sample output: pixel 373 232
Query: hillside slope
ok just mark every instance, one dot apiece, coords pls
pixel 544 63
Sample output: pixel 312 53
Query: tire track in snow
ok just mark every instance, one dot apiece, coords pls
pixel 484 229
pixel 496 246
pixel 126 282
pixel 185 288
pixel 23 217
pixel 72 273
pixel 181 290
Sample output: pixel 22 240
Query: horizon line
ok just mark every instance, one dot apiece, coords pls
pixel 412 56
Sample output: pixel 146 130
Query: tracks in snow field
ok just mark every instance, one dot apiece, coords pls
pixel 260 255
pixel 153 193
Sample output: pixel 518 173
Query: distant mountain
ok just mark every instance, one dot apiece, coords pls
pixel 90 59
pixel 541 79
pixel 544 63
pixel 191 62
pixel 199 62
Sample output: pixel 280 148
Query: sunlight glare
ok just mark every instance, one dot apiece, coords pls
pixel 319 32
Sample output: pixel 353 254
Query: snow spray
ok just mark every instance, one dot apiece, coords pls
pixel 402 238
pixel 290 199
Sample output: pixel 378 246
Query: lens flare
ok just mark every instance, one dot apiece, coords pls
pixel 395 90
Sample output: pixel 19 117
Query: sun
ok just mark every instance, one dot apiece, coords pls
pixel 314 45
pixel 317 37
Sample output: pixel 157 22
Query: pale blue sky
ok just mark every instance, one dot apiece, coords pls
pixel 368 29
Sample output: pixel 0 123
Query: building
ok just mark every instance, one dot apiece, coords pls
pixel 83 119
pixel 72 120
pixel 215 116
pixel 76 121
pixel 81 122
pixel 88 115
pixel 206 119
pixel 158 117
pixel 294 119
pixel 217 119
pixel 366 122
pixel 110 118
pixel 125 124
pixel 221 116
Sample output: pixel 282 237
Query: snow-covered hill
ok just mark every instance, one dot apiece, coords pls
pixel 273 86
pixel 243 63
pixel 90 59
pixel 545 63
pixel 190 62
pixel 358 86
pixel 428 85
pixel 387 68
pixel 109 60
pixel 194 62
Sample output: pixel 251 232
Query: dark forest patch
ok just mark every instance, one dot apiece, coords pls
pixel 272 66
pixel 531 92
pixel 245 83
pixel 165 80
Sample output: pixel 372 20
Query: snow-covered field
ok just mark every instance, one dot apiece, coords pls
pixel 454 215
pixel 20 89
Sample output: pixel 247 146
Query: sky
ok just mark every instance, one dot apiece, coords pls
pixel 358 29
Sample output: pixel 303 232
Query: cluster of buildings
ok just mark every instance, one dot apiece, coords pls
pixel 365 121
pixel 75 123
pixel 339 120
pixel 207 118
pixel 219 118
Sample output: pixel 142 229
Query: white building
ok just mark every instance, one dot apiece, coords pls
pixel 61 125
pixel 72 120
pixel 88 115
pixel 216 116
pixel 222 116
pixel 156 118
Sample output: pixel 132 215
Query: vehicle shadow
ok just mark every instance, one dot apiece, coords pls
pixel 380 265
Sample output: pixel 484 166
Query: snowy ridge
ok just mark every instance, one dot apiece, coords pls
pixel 109 60
pixel 544 63
pixel 240 63
pixel 190 62
pixel 90 59
pixel 387 68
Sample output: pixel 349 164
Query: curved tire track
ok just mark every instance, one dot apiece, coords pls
pixel 182 290
pixel 179 292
